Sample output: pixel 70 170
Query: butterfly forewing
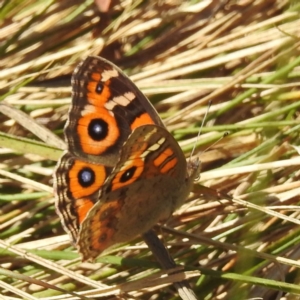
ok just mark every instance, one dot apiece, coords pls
pixel 106 107
pixel 148 183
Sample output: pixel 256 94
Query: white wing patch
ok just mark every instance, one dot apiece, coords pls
pixel 122 100
pixel 108 74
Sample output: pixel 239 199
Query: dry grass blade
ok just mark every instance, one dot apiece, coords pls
pixel 237 237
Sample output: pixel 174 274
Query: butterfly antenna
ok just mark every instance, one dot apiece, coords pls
pixel 226 133
pixel 200 130
pixel 217 141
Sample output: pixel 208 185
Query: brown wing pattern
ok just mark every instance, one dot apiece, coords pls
pixel 148 183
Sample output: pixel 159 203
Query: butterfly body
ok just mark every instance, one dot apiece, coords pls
pixel 123 171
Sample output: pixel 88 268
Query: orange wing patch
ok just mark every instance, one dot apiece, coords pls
pixel 129 174
pixel 133 168
pixel 88 144
pixel 82 207
pixel 160 161
pixel 77 189
pixel 143 119
pixel 102 226
pixel 98 99
pixel 169 165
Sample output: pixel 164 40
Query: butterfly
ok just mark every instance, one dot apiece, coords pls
pixel 122 172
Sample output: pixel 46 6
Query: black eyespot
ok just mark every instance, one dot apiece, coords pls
pixel 99 88
pixel 127 175
pixel 98 129
pixel 86 177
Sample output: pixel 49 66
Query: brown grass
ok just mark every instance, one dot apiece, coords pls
pixel 243 57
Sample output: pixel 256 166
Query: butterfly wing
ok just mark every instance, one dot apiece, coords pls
pixel 76 186
pixel 106 107
pixel 148 183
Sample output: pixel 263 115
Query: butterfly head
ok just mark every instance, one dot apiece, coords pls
pixel 194 168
